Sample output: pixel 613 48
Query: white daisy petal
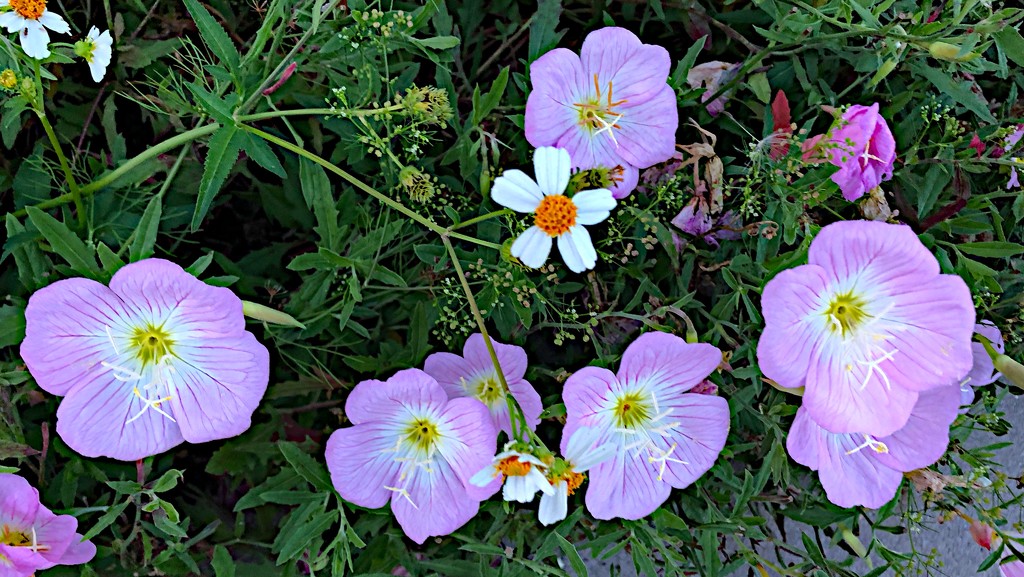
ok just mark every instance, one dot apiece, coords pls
pixel 539 481
pixel 515 190
pixel 532 247
pixel 577 250
pixel 593 206
pixel 54 22
pixel 12 21
pixel 35 40
pixel 5 3
pixel 554 507
pixel 552 167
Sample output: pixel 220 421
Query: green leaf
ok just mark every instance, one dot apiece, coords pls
pixel 214 105
pixel 64 242
pixel 571 554
pixel 260 152
pixel 678 79
pixel 958 91
pixel 1012 43
pixel 167 481
pixel 991 249
pixel 108 518
pixel 12 325
pixel 437 43
pixel 482 106
pixel 145 233
pixel 543 36
pixel 214 35
pixel 306 466
pixel 223 564
pixel 109 260
pixel 316 190
pixel 223 152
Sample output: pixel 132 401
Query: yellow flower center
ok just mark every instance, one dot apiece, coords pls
pixel 598 113
pixel 573 480
pixel 9 536
pixel 513 467
pixel 845 312
pixel 422 433
pixel 555 215
pixel 489 391
pixel 631 411
pixel 8 79
pixel 151 343
pixel 31 9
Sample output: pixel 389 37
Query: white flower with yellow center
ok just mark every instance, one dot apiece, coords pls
pixel 556 216
pixel 30 19
pixel 96 49
pixel 523 475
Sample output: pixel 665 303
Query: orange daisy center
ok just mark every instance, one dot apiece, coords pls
pixel 573 480
pixel 513 467
pixel 555 215
pixel 31 9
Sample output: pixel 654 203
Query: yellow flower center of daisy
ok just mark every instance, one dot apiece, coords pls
pixel 555 215
pixel 845 313
pixel 573 480
pixel 513 467
pixel 8 79
pixel 422 433
pixel 30 9
pixel 631 411
pixel 598 114
pixel 151 343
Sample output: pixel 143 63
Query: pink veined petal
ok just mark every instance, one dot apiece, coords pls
pixel 585 395
pixel 577 249
pixel 558 84
pixel 512 359
pixel 361 460
pixel 835 400
pixel 593 206
pixel 627 182
pixel 874 253
pixel 1012 569
pixel 380 400
pixel 19 561
pixel 55 533
pixel 983 371
pixel 218 384
pixel 626 487
pixel 786 346
pixel 78 552
pixel 856 478
pixel 666 363
pixel 552 166
pixel 923 440
pixel 451 371
pixel 19 502
pixel 806 440
pixel 647 133
pixel 591 149
pixel 636 71
pixel 469 441
pixel 529 400
pixel 515 190
pixel 93 420
pixel 439 503
pixel 66 332
pixel 698 439
pixel 532 247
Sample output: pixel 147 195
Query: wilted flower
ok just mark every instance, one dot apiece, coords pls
pixel 30 19
pixel 866 470
pixel 663 436
pixel 473 375
pixel 694 219
pixel 610 106
pixel 33 538
pixel 865 326
pixel 96 49
pixel 983 372
pixel 863 148
pixel 710 76
pixel 412 446
pixel 584 452
pixel 555 215
pixel 157 358
pixel 521 472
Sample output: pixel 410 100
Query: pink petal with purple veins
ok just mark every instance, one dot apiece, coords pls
pixel 377 400
pixel 656 359
pixel 361 461
pixel 925 437
pixel 470 445
pixel 698 439
pixel 559 83
pixel 625 487
pixel 789 341
pixel 648 131
pixel 585 395
pixel 636 70
pixel 439 504
pixel 983 371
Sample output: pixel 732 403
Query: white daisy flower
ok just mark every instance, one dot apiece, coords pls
pixel 523 473
pixel 30 19
pixel 96 49
pixel 555 215
pixel 566 475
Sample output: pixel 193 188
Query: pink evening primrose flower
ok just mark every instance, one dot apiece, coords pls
pixel 555 216
pixel 983 371
pixel 585 451
pixel 610 106
pixel 32 538
pixel 157 358
pixel 865 326
pixel 663 436
pixel 863 148
pixel 473 375
pixel 866 470
pixel 412 446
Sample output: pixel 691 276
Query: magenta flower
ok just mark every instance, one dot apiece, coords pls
pixel 610 106
pixel 858 469
pixel 414 447
pixel 864 150
pixel 865 326
pixel 473 375
pixel 157 358
pixel 983 371
pixel 663 436
pixel 32 538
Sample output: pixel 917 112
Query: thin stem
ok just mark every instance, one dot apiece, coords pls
pixel 480 218
pixel 40 107
pixel 340 112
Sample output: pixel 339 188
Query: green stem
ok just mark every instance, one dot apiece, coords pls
pixel 76 194
pixel 480 218
pixel 340 112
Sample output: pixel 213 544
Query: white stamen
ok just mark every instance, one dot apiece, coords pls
pixel 869 441
pixel 110 337
pixel 605 125
pixel 664 458
pixel 121 373
pixel 402 493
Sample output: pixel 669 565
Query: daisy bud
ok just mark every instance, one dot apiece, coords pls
pixel 8 79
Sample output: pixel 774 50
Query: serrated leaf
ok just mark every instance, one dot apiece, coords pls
pixel 224 147
pixel 214 35
pixel 113 512
pixel 145 232
pixel 1012 43
pixel 310 469
pixel 214 105
pixel 958 91
pixel 63 242
pixel 260 152
pixel 543 36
